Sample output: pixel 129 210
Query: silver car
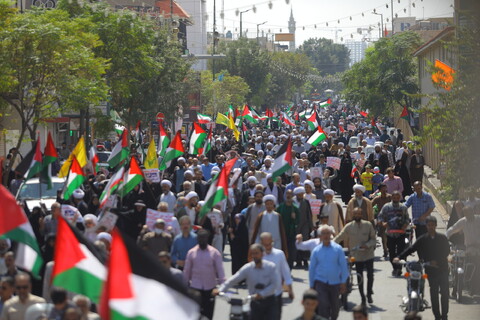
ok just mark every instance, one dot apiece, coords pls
pixel 34 193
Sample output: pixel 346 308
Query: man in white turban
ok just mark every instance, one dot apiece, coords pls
pixel 359 201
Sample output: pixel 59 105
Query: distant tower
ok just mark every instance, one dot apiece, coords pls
pixel 291 29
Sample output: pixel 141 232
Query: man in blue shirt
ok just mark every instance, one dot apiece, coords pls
pixel 328 273
pixel 207 168
pixel 422 206
pixel 183 242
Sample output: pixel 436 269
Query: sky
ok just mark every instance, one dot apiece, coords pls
pixel 312 16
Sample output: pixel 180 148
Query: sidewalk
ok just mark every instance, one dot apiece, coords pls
pixel 433 186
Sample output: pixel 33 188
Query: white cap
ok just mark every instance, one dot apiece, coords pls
pixel 269 197
pixel 78 194
pixel 298 190
pixel 251 178
pixel 309 182
pixel 329 191
pixel 104 236
pixel 359 187
pixel 191 195
pixel 167 182
pixel 181 159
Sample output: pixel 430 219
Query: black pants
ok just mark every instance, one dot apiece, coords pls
pixel 292 252
pixel 264 309
pixel 279 305
pixel 367 266
pixel 395 247
pixel 420 229
pixel 439 283
pixel 328 299
pixel 207 304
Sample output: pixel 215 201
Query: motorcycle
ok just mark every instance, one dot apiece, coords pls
pixel 462 272
pixel 239 308
pixel 414 301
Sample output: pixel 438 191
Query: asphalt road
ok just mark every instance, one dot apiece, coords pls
pixel 388 293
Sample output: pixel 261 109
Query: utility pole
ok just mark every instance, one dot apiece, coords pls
pixel 391 8
pixel 258 25
pixel 381 34
pixel 241 22
pixel 214 37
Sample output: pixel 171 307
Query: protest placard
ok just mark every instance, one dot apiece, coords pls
pixel 315 172
pixel 361 163
pixel 71 214
pixel 108 220
pixel 315 204
pixel 152 175
pixel 153 215
pixel 333 162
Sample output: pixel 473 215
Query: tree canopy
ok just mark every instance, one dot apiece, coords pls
pixel 386 77
pixel 325 55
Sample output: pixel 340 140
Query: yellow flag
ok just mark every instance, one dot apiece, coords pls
pixel 151 160
pixel 231 125
pixel 80 152
pixel 222 119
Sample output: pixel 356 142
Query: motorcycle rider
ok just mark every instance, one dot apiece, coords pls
pixel 433 247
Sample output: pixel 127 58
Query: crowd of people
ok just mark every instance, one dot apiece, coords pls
pixel 269 224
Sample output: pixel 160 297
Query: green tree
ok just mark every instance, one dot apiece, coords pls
pixel 47 66
pixel 454 116
pixel 325 55
pixel 245 58
pixel 219 94
pixel 386 77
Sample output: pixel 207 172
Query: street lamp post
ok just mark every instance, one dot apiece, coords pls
pixel 381 23
pixel 258 25
pixel 241 13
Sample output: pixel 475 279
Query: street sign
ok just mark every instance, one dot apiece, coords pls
pixel 160 116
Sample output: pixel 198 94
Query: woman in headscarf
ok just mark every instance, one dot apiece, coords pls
pixel 402 171
pixel 94 205
pixel 346 180
pixel 238 237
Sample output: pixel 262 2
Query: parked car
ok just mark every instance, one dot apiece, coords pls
pixel 33 192
pixel 102 158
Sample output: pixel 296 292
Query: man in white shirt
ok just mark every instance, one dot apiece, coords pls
pixel 278 258
pixel 167 195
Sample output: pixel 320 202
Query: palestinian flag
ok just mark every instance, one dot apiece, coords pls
pixel 119 129
pixel 231 112
pixel 283 159
pixel 364 114
pixel 341 128
pixel 248 115
pixel 138 287
pixel 354 170
pixel 245 136
pixel 404 114
pixel 197 138
pixel 313 121
pixel 15 226
pixel 79 266
pixel 203 119
pixel 327 103
pixel 111 186
pixel 80 153
pixel 164 140
pixel 374 126
pixel 132 177
pixel 120 152
pixel 175 150
pixel 255 114
pixel 50 155
pixel 92 153
pixel 36 163
pixel 208 143
pixel 74 180
pixel 317 137
pixel 288 120
pixel 218 190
